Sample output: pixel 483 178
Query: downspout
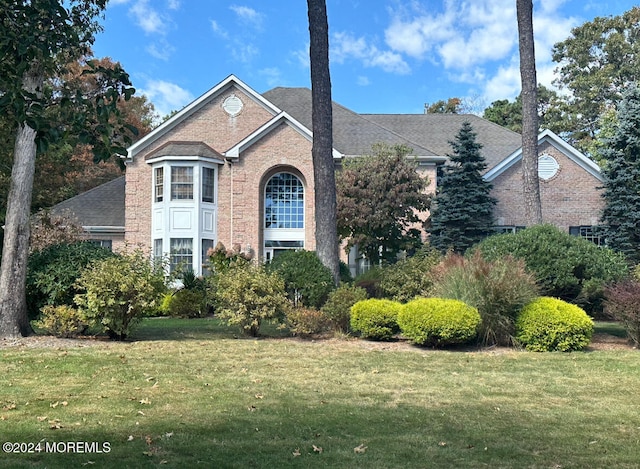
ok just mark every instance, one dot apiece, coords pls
pixel 228 160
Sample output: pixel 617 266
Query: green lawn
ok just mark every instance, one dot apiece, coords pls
pixel 188 393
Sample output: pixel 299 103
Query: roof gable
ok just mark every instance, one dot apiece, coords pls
pixel 547 136
pixel 196 105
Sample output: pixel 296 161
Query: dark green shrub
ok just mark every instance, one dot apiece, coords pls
pixel 338 305
pixel 565 266
pixel 52 273
pixel 345 273
pixel 411 277
pixel 550 324
pixel 623 304
pixel 62 321
pixel 497 289
pixel 438 321
pixel 375 318
pixel 119 291
pixel 370 281
pixel 307 281
pixel 305 322
pixel 247 294
pixel 187 303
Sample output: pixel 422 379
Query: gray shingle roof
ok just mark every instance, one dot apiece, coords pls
pixel 100 206
pixel 352 133
pixel 177 148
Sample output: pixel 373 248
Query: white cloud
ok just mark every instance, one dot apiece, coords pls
pixel 147 17
pixel 345 46
pixel 219 30
pixel 161 50
pixel 248 15
pixel 273 75
pixel 363 81
pixel 244 53
pixel 173 4
pixel 166 97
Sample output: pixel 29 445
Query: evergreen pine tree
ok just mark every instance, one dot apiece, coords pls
pixel 462 212
pixel 621 214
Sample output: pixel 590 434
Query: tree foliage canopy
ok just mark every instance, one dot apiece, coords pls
pixel 462 212
pixel 378 199
pixel 621 214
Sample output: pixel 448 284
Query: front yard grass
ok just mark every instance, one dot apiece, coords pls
pixel 188 393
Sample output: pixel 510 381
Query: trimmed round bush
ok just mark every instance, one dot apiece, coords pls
pixel 438 321
pixel 549 324
pixel 375 319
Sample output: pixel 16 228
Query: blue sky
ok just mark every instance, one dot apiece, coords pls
pixel 386 56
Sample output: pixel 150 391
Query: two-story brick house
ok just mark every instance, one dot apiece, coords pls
pixel 235 166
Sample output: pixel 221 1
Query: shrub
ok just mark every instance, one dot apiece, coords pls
pixel 338 305
pixel 498 290
pixel 187 303
pixel 221 260
pixel 375 318
pixel 305 322
pixel 62 321
pixel 550 324
pixel 247 295
pixel 307 281
pixel 622 303
pixel 119 292
pixel 411 277
pixel 370 281
pixel 53 271
pixel 437 321
pixel 565 266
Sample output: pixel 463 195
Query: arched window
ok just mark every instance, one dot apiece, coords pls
pixel 284 202
pixel 283 214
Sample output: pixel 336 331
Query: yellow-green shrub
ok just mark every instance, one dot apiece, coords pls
pixel 62 321
pixel 549 324
pixel 375 319
pixel 306 322
pixel 438 321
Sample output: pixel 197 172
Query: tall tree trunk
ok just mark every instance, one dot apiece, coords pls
pixel 322 123
pixel 531 183
pixel 14 320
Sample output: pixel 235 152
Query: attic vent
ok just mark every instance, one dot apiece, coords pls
pixel 232 105
pixel 547 167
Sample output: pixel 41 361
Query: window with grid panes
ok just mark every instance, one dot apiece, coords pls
pixel 284 202
pixel 159 184
pixel 208 184
pixel 181 183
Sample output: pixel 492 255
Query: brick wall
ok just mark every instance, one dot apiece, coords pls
pixel 570 198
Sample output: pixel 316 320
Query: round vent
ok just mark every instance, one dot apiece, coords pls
pixel 547 167
pixel 232 105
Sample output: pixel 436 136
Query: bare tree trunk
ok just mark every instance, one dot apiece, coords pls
pixel 14 320
pixel 322 151
pixel 531 183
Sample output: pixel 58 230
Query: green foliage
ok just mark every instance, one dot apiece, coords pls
pixel 549 324
pixel 338 305
pixel 565 266
pixel 247 294
pixel 596 62
pixel 187 303
pixel 621 214
pixel 119 291
pixel 307 281
pixel 375 319
pixel 305 322
pixel 462 211
pixel 221 259
pixel 438 322
pixel 623 304
pixel 450 106
pixel 410 277
pixel 379 198
pixel 62 321
pixel 52 273
pixel 498 289
pixel 370 281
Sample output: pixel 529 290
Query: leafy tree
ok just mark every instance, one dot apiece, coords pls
pixel 462 212
pixel 530 182
pixel 551 114
pixel 37 38
pixel 450 106
pixel 378 200
pixel 621 214
pixel 596 63
pixel 322 150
